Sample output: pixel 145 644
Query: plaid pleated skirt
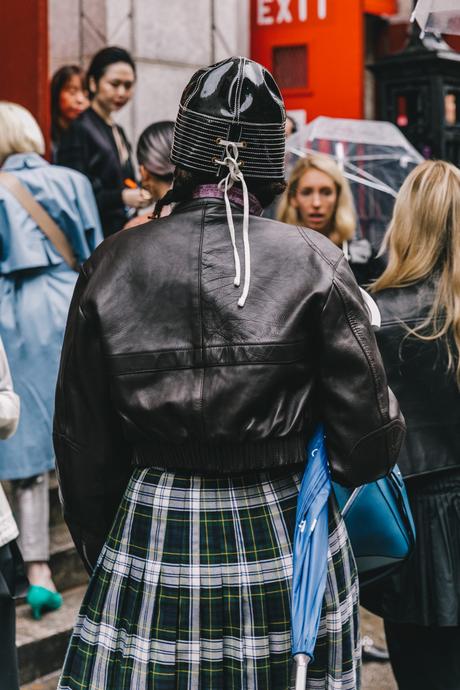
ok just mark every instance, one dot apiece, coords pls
pixel 192 590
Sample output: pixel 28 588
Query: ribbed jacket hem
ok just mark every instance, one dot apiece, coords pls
pixel 222 458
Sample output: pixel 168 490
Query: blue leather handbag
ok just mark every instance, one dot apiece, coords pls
pixel 379 523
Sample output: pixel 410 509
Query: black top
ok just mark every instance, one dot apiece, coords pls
pixel 88 146
pixel 418 374
pixel 160 365
pixel 364 261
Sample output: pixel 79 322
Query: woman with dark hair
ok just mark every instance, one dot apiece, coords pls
pixel 68 100
pixel 200 351
pixel 96 146
pixel 155 167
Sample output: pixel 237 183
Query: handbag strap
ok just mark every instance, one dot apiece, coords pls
pixel 123 153
pixel 44 221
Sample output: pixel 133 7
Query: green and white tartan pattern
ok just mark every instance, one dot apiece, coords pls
pixel 192 591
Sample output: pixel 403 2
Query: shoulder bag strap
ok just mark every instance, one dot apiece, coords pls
pixel 44 221
pixel 123 153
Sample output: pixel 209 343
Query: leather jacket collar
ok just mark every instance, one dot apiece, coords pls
pixel 235 195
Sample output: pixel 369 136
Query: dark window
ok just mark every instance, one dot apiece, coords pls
pixel 290 67
pixel 401 119
pixel 409 108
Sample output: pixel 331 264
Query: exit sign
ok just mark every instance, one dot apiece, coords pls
pixel 288 11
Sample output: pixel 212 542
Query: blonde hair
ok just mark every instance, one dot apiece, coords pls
pixel 19 131
pixel 344 219
pixel 424 239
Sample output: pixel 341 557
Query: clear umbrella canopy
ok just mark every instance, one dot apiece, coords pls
pixel 374 156
pixel 438 16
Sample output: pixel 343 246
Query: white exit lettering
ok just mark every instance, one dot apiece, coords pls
pixel 303 10
pixel 281 11
pixel 322 9
pixel 263 12
pixel 284 13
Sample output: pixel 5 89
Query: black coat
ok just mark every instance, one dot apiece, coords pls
pixel 418 374
pixel 88 146
pixel 161 367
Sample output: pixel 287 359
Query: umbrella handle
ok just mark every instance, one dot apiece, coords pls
pixel 301 662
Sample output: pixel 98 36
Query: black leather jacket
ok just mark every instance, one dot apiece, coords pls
pixel 88 145
pixel 161 367
pixel 418 374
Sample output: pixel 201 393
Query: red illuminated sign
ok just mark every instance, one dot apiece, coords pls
pixel 288 11
pixel 315 50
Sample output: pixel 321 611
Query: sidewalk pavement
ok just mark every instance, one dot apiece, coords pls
pixel 375 676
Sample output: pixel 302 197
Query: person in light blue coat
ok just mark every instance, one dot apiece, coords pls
pixel 36 286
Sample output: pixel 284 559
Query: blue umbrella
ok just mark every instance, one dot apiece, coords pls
pixel 311 538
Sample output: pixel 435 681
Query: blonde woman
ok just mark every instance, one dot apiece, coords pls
pixel 318 196
pixel 419 299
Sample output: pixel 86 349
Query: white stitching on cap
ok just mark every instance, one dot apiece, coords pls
pixel 195 90
pixel 238 78
pixel 240 89
pixel 280 105
pixel 189 111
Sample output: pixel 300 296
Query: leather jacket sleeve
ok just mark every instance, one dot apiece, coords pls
pixel 364 426
pixel 91 454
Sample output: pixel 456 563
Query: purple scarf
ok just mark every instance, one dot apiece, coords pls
pixel 235 194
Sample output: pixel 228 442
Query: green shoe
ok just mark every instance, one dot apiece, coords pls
pixel 41 600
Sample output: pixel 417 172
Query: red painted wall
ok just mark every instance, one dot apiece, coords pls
pixel 394 38
pixel 24 56
pixel 333 31
pixel 380 6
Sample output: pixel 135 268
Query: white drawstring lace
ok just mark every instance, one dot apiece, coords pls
pixel 235 175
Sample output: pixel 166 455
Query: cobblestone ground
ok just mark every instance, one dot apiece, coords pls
pixel 376 676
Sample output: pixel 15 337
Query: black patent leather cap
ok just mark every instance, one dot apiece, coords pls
pixel 237 89
pixel 235 100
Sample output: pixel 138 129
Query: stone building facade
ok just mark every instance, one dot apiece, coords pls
pixel 169 40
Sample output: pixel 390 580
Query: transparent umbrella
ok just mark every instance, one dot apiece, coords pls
pixel 438 16
pixel 375 157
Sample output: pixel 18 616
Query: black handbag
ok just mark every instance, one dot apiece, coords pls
pixel 13 579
